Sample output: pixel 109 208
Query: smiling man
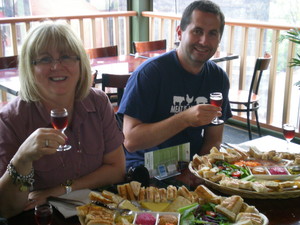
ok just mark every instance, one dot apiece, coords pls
pixel 166 101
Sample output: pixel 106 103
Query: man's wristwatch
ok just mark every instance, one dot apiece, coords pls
pixel 68 186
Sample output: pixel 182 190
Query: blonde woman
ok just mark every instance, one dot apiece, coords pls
pixel 55 73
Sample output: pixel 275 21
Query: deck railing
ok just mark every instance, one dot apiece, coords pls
pixel 96 30
pixel 279 97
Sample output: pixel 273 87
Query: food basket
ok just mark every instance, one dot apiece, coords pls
pixel 246 193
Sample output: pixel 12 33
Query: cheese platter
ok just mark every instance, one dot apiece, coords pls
pixel 166 206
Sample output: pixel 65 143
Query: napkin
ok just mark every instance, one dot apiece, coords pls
pixel 268 143
pixel 68 208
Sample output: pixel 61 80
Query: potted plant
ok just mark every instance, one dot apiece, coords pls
pixel 293 35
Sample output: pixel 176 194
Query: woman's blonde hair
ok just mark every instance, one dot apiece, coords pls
pixel 51 35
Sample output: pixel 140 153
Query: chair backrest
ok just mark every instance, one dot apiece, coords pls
pixel 115 81
pixel 98 53
pixel 95 80
pixel 261 64
pixel 146 46
pixel 102 52
pixel 8 62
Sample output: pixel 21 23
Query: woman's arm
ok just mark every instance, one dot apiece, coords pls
pixel 112 171
pixel 14 195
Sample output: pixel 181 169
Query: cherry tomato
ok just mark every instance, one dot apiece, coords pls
pixel 221 167
pixel 236 174
pixel 211 213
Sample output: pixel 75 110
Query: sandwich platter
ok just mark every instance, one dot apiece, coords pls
pixel 166 206
pixel 250 174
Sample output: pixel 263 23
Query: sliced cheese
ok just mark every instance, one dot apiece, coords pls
pixel 128 205
pixel 179 202
pixel 155 206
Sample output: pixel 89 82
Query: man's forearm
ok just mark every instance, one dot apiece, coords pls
pixel 145 135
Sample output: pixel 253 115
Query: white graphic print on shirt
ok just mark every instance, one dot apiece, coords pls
pixel 181 103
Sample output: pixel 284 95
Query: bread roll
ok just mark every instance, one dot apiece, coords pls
pixel 150 194
pixel 204 193
pixel 183 191
pixel 111 196
pixel 171 192
pixel 226 212
pixel 156 195
pixel 130 194
pixel 142 194
pixel 135 186
pixel 163 194
pixel 98 197
pixel 255 218
pixel 122 191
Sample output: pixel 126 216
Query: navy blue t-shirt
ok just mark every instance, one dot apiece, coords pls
pixel 160 88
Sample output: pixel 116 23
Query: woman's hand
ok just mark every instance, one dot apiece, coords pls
pixel 36 198
pixel 43 141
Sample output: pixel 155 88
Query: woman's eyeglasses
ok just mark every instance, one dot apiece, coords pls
pixel 65 60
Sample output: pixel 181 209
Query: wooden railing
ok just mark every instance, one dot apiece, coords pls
pixel 96 30
pixel 279 97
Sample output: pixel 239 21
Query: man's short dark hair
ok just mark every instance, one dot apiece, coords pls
pixel 204 6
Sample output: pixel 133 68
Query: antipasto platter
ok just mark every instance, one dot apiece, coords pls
pixel 166 206
pixel 250 174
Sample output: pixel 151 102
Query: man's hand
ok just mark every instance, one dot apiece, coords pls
pixel 200 115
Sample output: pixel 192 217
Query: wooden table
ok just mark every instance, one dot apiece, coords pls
pixel 218 57
pixel 117 64
pixel 123 64
pixel 9 81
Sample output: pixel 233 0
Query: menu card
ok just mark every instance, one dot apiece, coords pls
pixel 164 163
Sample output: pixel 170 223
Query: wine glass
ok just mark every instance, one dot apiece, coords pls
pixel 216 99
pixel 43 214
pixel 59 120
pixel 288 133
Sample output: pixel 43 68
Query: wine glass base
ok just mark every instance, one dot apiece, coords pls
pixel 63 148
pixel 217 122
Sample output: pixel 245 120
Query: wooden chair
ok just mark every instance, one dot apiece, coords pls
pixel 98 53
pixel 146 46
pixel 248 100
pixel 102 52
pixel 115 81
pixel 7 62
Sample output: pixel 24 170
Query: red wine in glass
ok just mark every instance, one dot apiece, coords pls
pixel 216 99
pixel 288 133
pixel 43 214
pixel 60 123
pixel 59 120
pixel 216 102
